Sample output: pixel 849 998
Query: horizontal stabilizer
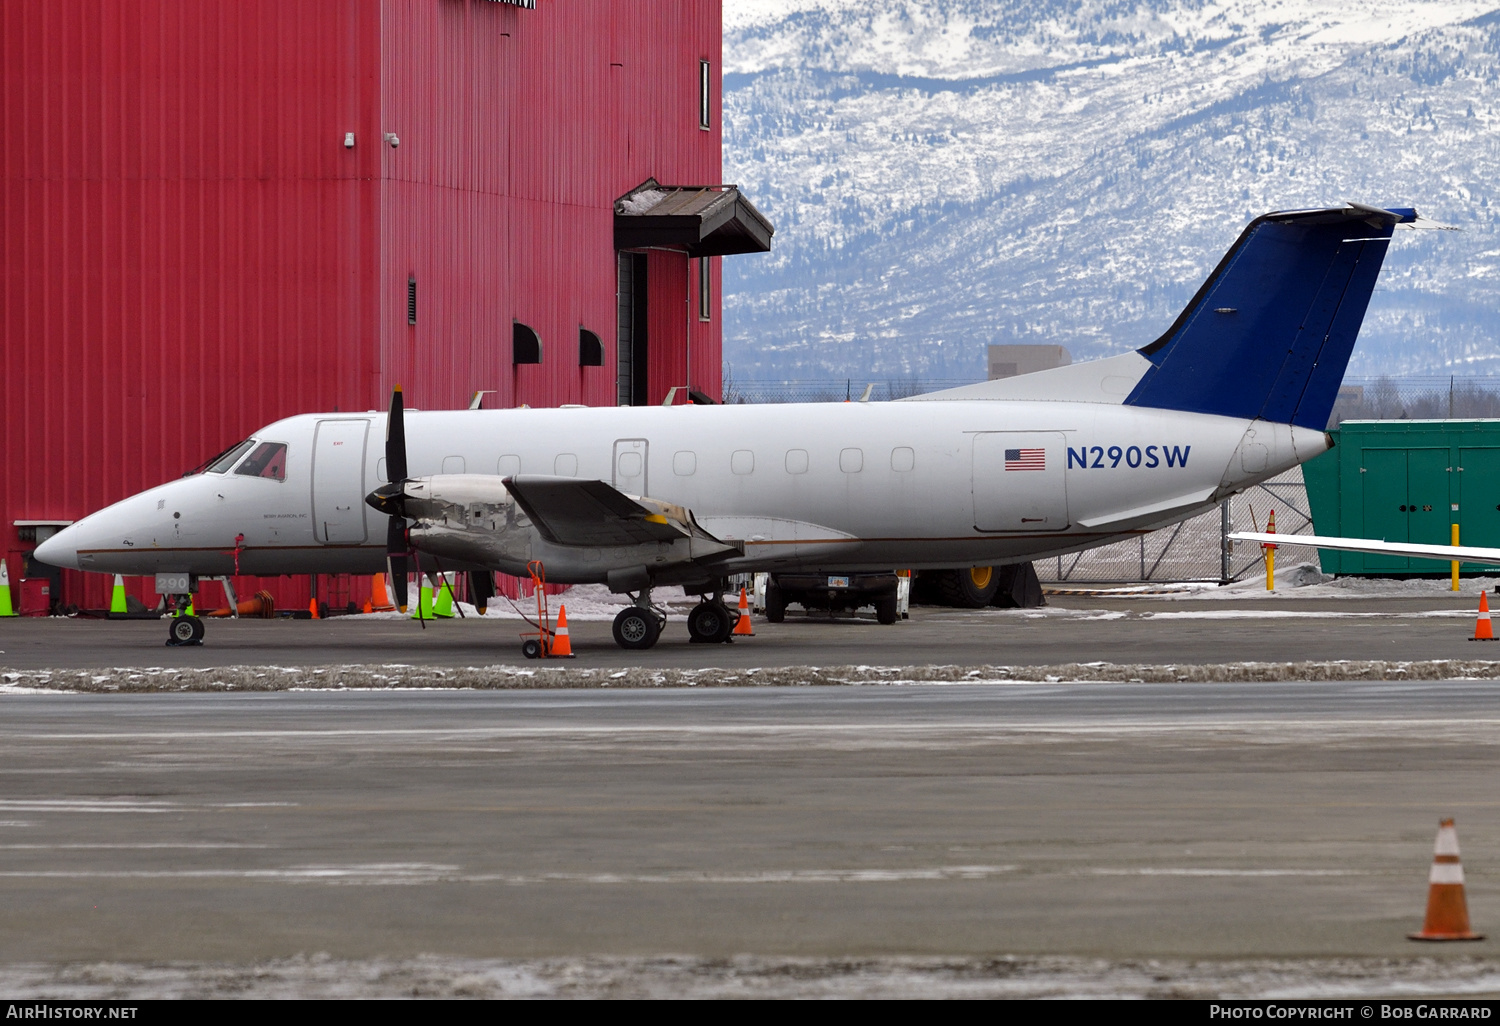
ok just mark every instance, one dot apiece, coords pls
pixel 574 511
pixel 1448 553
pixel 1269 334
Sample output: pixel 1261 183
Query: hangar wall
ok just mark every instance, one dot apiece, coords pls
pixel 191 251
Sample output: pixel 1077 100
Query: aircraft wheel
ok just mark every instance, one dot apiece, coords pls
pixel 185 630
pixel 531 648
pixel 775 603
pixel 636 628
pixel 710 623
pixel 885 610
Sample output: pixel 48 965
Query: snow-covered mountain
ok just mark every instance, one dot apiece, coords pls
pixel 951 173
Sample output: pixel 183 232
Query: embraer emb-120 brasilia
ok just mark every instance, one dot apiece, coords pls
pixel 1237 390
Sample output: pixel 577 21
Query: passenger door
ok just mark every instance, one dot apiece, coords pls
pixel 338 481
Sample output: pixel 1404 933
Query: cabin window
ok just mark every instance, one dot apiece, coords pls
pixel 742 461
pixel 453 465
pixel 685 463
pixel 630 464
pixel 903 459
pixel 566 465
pixel 796 461
pixel 851 461
pixel 268 460
pixel 230 458
pixel 509 465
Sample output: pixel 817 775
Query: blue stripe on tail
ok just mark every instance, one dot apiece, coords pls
pixel 1270 332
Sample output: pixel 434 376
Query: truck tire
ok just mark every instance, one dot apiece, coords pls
pixel 969 588
pixel 775 603
pixel 885 610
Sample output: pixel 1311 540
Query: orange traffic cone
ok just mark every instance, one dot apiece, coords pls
pixel 561 647
pixel 368 607
pixel 1447 911
pixel 312 607
pixel 1482 631
pixel 380 599
pixel 742 627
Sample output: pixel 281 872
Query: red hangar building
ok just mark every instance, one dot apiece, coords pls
pixel 219 214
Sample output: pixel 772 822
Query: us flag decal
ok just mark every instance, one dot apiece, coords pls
pixel 1025 459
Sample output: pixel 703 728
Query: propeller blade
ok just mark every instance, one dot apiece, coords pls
pixel 395 568
pixel 395 440
pixel 395 557
pixel 395 537
pixel 481 589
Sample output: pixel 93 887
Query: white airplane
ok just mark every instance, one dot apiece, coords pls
pixel 1237 390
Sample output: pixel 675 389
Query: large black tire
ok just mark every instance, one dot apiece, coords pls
pixel 531 648
pixel 636 628
pixel 775 603
pixel 969 588
pixel 710 623
pixel 885 610
pixel 185 630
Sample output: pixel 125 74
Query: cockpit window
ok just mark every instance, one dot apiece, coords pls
pixel 268 460
pixel 221 463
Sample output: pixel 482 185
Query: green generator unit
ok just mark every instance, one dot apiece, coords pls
pixel 1407 481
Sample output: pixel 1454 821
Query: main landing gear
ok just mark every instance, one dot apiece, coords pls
pixel 710 622
pixel 638 626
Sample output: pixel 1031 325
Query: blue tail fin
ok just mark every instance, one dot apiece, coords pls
pixel 1270 332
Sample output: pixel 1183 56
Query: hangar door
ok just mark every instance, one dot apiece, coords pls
pixel 1018 481
pixel 338 481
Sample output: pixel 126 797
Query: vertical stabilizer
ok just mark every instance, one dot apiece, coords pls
pixel 1269 334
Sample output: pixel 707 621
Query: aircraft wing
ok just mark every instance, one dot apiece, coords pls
pixel 1450 553
pixel 574 511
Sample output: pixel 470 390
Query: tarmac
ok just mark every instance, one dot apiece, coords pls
pixel 1070 629
pixel 962 839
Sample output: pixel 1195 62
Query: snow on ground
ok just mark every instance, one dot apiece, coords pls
pixel 535 676
pixel 762 976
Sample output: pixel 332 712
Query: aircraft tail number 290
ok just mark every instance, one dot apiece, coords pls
pixel 1099 457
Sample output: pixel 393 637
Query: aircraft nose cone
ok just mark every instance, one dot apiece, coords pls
pixel 59 550
pixel 387 499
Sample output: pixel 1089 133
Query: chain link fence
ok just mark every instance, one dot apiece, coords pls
pixel 1417 398
pixel 824 390
pixel 1198 549
pixel 1360 398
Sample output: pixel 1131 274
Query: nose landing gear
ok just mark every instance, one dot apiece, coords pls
pixel 184 630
